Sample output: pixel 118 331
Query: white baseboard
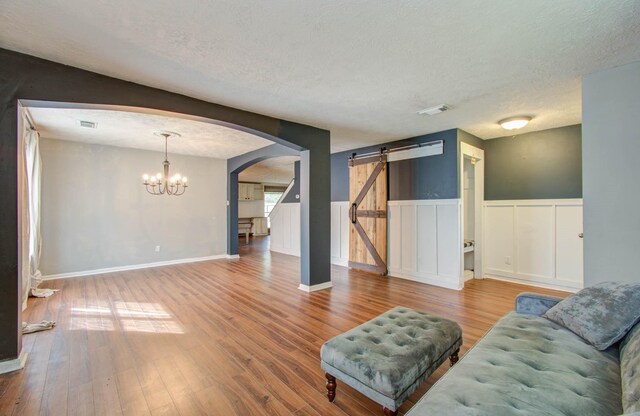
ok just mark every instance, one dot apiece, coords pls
pixel 530 283
pixel 15 364
pixel 233 256
pixel 315 288
pixel 340 261
pixel 288 251
pixel 135 267
pixel 447 283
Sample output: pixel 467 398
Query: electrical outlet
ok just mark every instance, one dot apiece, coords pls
pixel 507 260
pixel 157 249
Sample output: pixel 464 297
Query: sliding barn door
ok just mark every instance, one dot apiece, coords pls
pixel 368 212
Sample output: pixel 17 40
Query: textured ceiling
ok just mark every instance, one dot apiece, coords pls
pixel 136 130
pixel 277 170
pixel 359 68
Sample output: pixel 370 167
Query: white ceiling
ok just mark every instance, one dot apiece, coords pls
pixel 277 170
pixel 136 130
pixel 361 69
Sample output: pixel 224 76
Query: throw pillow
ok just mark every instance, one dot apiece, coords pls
pixel 601 314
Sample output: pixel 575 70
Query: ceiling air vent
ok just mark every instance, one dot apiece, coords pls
pixel 87 124
pixel 432 111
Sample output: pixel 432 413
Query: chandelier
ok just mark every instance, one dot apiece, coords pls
pixel 162 183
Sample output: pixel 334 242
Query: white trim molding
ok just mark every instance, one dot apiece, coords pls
pixel 315 288
pixel 340 228
pixel 534 241
pixel 137 266
pixel 15 364
pixel 233 256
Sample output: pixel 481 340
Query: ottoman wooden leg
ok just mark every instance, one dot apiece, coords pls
pixel 453 358
pixel 331 387
pixel 389 412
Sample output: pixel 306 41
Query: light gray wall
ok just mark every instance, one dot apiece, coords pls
pixel 545 164
pixel 96 213
pixel 610 152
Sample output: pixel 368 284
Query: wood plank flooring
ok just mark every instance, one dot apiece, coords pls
pixel 227 337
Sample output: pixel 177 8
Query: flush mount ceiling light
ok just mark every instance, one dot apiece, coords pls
pixel 514 123
pixel 162 183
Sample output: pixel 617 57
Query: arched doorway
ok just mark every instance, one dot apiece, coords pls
pixel 32 79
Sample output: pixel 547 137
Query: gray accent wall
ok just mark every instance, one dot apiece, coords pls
pixel 468 138
pixel 290 197
pixel 431 177
pixel 545 164
pixel 96 213
pixel 610 151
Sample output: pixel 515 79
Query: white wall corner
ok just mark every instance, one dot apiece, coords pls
pixel 315 288
pixel 15 364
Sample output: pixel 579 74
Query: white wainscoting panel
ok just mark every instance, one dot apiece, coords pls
pixel 340 223
pixel 425 241
pixel 534 241
pixel 285 229
pixel 427 234
pixel 535 237
pixel 500 240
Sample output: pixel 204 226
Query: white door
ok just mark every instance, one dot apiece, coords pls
pixel 569 243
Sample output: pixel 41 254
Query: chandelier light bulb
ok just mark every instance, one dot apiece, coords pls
pixel 164 183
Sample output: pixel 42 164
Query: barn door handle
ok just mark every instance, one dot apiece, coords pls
pixel 354 216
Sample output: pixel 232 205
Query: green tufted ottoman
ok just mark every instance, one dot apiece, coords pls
pixel 387 358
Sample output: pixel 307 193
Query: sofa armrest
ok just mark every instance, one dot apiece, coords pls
pixel 534 303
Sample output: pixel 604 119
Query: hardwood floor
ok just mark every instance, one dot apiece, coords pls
pixel 220 337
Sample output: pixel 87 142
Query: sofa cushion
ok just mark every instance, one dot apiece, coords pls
pixel 528 365
pixel 630 370
pixel 601 314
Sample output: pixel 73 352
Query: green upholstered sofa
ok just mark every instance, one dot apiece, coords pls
pixel 528 365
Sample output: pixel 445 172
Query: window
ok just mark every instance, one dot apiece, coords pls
pixel 270 201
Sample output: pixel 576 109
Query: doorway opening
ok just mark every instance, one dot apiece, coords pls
pixel 472 193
